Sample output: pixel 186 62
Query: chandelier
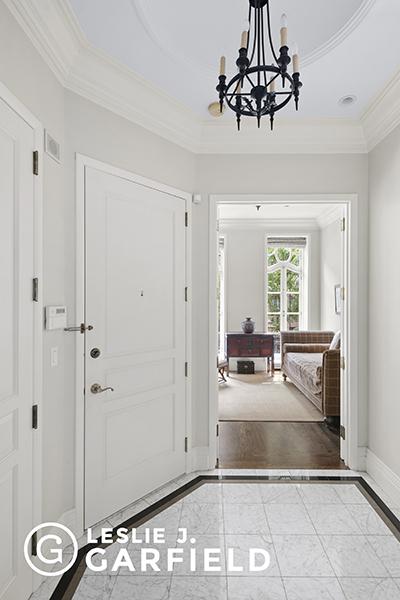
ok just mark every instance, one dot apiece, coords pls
pixel 260 89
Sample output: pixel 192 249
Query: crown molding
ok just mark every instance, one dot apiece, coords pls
pixel 302 136
pixel 54 31
pixel 383 115
pixel 274 224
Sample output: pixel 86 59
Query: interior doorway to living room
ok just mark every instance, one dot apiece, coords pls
pixel 281 270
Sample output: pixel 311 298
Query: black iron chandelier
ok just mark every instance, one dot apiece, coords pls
pixel 253 91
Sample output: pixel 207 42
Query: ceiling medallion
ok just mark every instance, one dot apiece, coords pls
pixel 260 89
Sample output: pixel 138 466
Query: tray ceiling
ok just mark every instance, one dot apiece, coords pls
pixel 176 45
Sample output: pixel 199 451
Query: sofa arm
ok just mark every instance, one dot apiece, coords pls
pixel 331 383
pixel 305 348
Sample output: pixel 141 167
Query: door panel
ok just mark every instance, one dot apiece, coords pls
pixel 135 279
pixel 16 350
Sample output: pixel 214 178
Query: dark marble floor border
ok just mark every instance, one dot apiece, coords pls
pixel 70 580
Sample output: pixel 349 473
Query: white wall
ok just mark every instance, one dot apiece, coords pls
pixel 245 273
pixel 331 274
pixel 384 301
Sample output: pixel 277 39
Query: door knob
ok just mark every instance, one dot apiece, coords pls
pixel 97 389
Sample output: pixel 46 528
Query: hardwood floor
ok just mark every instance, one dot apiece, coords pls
pixel 278 445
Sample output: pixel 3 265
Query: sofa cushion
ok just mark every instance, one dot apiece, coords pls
pixel 307 368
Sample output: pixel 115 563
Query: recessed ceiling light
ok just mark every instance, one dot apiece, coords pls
pixel 347 100
pixel 215 110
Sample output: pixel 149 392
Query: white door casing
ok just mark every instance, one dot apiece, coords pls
pixel 135 301
pixel 17 258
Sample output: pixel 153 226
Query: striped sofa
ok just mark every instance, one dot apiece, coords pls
pixel 313 367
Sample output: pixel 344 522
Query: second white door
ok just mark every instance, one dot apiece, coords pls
pixel 135 286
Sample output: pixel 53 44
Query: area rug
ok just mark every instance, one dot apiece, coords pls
pixel 261 397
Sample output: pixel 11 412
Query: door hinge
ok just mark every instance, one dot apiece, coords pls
pixel 343 224
pixel 35 289
pixel 186 294
pixel 186 444
pixel 35 164
pixel 342 362
pixel 342 293
pixel 217 429
pixel 186 369
pixel 34 544
pixel 343 432
pixel 186 219
pixel 35 418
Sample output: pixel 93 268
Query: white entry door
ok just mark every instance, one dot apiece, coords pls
pixel 135 301
pixel 16 350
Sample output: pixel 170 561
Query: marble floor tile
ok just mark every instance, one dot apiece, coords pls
pixel 240 545
pixel 371 589
pixel 245 518
pixel 332 518
pixel 301 556
pixel 167 519
pixel 272 473
pixel 368 520
pixel 216 542
pixel 196 588
pixel 140 588
pixel 95 588
pixel 387 548
pixel 352 556
pixel 241 493
pixel 313 588
pixel 350 494
pixel 46 589
pixel 315 493
pixel 202 518
pixel 209 493
pixel 288 518
pixel 280 493
pixel 255 588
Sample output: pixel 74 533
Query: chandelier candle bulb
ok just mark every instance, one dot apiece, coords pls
pixel 284 30
pixel 222 65
pixel 245 37
pixel 296 59
pixel 272 86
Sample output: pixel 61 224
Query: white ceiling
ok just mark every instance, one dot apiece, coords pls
pixel 279 212
pixel 176 45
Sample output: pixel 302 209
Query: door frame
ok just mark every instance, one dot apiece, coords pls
pixel 349 349
pixel 37 439
pixel 81 162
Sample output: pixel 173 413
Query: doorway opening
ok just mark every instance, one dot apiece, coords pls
pixel 282 333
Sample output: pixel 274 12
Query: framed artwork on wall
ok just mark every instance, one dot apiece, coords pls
pixel 338 299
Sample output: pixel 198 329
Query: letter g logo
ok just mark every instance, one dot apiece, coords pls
pixel 53 542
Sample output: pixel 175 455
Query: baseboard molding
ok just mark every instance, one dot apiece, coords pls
pixel 384 477
pixel 200 459
pixel 362 458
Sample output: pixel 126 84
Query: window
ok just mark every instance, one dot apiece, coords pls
pixel 284 280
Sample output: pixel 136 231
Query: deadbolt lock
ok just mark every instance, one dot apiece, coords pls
pixel 95 353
